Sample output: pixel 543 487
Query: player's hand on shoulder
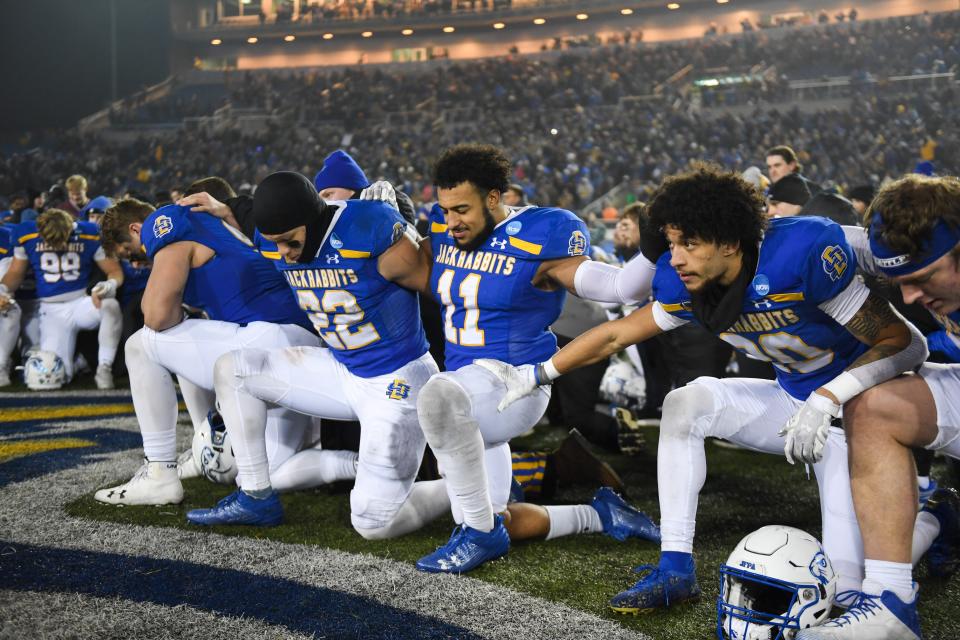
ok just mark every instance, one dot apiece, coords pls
pixel 382 191
pixel 205 202
pixel 520 381
pixel 806 432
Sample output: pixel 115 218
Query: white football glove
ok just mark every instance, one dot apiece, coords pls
pixel 383 191
pixel 807 430
pixel 105 289
pixel 6 300
pixel 520 381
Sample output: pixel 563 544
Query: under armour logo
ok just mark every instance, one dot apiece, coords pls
pixel 498 244
pixel 762 303
pixel 333 258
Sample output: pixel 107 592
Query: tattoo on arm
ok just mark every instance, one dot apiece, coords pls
pixel 872 319
pixel 872 325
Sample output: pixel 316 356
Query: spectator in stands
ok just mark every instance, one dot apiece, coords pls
pixel 515 196
pixel 781 161
pixel 76 195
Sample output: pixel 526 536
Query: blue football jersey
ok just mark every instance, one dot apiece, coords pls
pixel 947 340
pixel 134 280
pixel 371 325
pixel 490 307
pixel 803 262
pixel 59 271
pixel 28 287
pixel 237 284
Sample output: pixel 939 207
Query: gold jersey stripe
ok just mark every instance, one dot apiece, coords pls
pixel 523 245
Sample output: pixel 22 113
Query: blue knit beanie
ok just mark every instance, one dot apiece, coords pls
pixel 340 170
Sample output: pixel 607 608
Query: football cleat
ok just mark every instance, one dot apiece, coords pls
pixel 154 483
pixel 883 617
pixel 577 464
pixel 187 466
pixel 620 520
pixel 467 549
pixel 659 589
pixel 104 376
pixel 240 508
pixel 943 556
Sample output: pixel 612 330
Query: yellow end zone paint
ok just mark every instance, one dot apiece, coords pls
pixel 22 414
pixel 19 448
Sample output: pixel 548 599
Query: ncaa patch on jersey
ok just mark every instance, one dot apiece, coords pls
pixel 398 389
pixel 514 228
pixel 162 226
pixel 834 260
pixel 761 284
pixel 577 245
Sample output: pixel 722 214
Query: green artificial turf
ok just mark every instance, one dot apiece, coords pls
pixel 743 492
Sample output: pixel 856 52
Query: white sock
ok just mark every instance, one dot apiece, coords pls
pixel 923 482
pixel 925 531
pixel 888 576
pixel 154 401
pixel 314 467
pixel 568 520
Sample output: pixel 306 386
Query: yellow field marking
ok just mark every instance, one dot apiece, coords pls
pixel 20 448
pixel 21 414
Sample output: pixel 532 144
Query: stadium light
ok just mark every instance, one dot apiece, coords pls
pixel 722 1
pixel 407 32
pixel 448 29
pixel 498 25
pixel 539 21
pixel 328 36
pixel 553 132
pixel 289 38
pixel 366 34
pixel 626 12
pixel 252 40
pixel 673 6
pixel 582 16
pixel 216 42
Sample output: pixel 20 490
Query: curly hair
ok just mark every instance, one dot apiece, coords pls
pixel 116 221
pixel 55 227
pixel 710 204
pixel 483 165
pixel 909 209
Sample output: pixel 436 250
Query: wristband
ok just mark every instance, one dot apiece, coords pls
pixel 545 372
pixel 844 387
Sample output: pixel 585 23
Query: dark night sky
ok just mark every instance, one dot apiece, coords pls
pixel 55 57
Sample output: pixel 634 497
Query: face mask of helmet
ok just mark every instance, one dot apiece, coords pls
pixel 776 582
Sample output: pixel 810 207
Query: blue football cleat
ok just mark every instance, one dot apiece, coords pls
pixel 468 549
pixel 620 520
pixel 943 557
pixel 659 589
pixel 885 617
pixel 239 508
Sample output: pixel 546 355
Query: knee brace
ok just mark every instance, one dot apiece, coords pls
pixel 445 415
pixel 684 411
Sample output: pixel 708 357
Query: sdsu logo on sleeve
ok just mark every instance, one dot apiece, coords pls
pixel 834 261
pixel 162 226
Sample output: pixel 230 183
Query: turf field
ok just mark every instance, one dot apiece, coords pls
pixel 743 492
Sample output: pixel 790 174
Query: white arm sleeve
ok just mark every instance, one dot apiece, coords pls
pixel 606 283
pixel 859 241
pixel 664 320
pixel 845 304
pixel 100 254
pixel 20 252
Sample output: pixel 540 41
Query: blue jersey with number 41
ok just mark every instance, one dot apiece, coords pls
pixel 491 309
pixel 805 263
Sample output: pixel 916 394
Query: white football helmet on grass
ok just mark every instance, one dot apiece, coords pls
pixel 44 370
pixel 212 451
pixel 777 581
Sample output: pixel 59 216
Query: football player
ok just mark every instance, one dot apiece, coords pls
pixel 10 316
pixel 355 267
pixel 202 262
pixel 62 253
pixel 782 292
pixel 914 234
pixel 500 275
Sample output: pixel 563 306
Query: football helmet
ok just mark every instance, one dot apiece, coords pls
pixel 777 581
pixel 212 451
pixel 44 370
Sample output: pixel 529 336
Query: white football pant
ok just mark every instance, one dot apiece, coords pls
pixel 61 321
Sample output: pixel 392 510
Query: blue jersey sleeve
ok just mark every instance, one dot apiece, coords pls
pixel 830 265
pixel 6 243
pixel 165 226
pixel 669 290
pixel 567 236
pixel 389 229
pixel 374 227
